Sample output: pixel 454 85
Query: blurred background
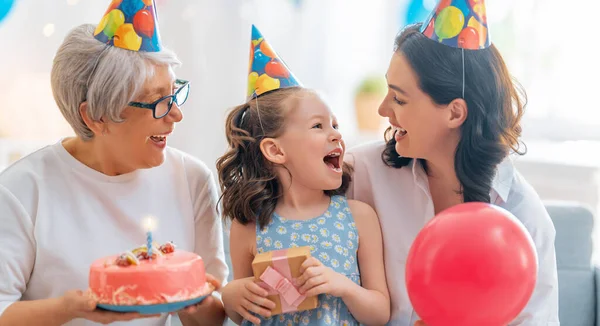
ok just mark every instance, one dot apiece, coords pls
pixel 339 47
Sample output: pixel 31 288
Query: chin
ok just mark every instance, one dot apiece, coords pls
pixel 154 161
pixel 333 185
pixel 402 151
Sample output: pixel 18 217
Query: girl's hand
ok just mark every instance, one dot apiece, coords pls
pixel 318 279
pixel 244 296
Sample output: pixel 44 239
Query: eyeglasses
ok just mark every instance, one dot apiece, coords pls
pixel 163 105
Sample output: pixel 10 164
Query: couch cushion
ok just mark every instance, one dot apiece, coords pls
pixel 577 297
pixel 573 224
pixel 576 277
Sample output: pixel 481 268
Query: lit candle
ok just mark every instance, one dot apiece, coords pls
pixel 149 226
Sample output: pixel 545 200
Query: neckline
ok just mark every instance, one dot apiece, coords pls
pixel 78 166
pixel 284 220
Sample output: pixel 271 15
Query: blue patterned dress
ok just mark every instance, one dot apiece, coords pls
pixel 333 239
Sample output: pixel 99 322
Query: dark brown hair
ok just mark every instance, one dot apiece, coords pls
pixel 495 102
pixel 250 187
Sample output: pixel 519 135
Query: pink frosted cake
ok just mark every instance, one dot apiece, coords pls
pixel 132 278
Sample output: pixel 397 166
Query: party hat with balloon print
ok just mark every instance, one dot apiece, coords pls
pixel 267 71
pixel 458 23
pixel 130 25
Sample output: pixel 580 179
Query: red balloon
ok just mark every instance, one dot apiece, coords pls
pixel 468 38
pixel 143 23
pixel 276 69
pixel 473 264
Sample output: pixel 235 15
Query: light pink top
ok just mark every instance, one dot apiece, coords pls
pixel 403 202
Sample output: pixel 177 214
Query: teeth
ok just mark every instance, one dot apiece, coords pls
pixel 336 154
pixel 159 137
pixel 401 130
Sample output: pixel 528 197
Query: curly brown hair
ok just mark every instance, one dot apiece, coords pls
pixel 250 187
pixel 495 101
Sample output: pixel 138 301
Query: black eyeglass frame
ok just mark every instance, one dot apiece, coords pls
pixel 180 84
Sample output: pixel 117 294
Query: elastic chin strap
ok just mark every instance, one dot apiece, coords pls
pixel 258 113
pixel 463 73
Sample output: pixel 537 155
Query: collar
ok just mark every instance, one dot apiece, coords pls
pixel 500 185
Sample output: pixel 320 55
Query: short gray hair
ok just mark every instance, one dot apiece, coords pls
pixel 107 77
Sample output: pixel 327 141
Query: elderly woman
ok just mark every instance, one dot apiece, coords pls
pixel 84 197
pixel 455 117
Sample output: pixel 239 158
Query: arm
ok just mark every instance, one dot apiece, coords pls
pixel 542 308
pixel 17 252
pixel 241 258
pixel 209 245
pixel 243 295
pixel 370 304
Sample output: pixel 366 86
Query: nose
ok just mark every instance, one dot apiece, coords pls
pixel 384 109
pixel 335 136
pixel 175 115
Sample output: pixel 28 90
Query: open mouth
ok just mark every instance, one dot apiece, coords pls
pixel 399 132
pixel 332 160
pixel 159 139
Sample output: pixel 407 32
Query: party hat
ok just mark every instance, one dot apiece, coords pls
pixel 458 23
pixel 267 71
pixel 130 25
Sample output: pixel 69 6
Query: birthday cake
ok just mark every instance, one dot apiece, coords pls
pixel 135 277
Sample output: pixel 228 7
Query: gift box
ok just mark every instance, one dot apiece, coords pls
pixel 277 271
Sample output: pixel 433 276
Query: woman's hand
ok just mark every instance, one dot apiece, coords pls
pixel 208 300
pixel 420 323
pixel 78 304
pixel 318 279
pixel 244 296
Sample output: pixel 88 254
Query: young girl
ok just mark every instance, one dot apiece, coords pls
pixel 283 184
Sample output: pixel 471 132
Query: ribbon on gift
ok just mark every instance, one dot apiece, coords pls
pixel 278 281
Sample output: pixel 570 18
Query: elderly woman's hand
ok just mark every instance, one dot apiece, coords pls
pixel 78 304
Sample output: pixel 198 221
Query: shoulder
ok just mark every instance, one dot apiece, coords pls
pixel 243 234
pixel 525 203
pixel 25 177
pixel 360 208
pixel 193 167
pixel 362 212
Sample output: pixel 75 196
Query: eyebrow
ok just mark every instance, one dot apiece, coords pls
pixel 396 88
pixel 317 116
pixel 158 90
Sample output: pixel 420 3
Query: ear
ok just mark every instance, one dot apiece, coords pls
pixel 272 150
pixel 458 113
pixel 98 127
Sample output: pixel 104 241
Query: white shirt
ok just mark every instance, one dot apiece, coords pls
pixel 59 215
pixel 403 202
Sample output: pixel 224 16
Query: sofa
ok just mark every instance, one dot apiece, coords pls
pixel 578 278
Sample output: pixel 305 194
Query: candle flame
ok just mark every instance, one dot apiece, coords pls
pixel 149 223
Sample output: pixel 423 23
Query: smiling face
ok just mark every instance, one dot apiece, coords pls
pixel 311 147
pixel 140 141
pixel 420 125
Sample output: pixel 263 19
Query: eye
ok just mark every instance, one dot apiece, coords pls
pixel 317 125
pixel 335 126
pixel 399 102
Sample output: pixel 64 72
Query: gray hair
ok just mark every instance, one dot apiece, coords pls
pixel 107 77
